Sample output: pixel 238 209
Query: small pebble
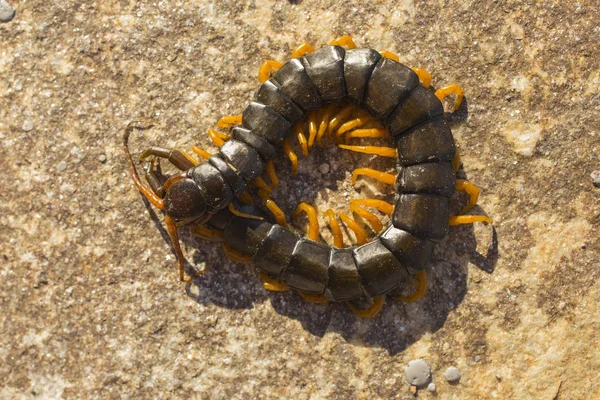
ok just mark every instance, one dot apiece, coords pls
pixel 418 373
pixel 452 375
pixel 499 377
pixel 102 158
pixel 324 168
pixel 27 125
pixel 6 11
pixel 62 166
pixel 431 387
pixel 596 178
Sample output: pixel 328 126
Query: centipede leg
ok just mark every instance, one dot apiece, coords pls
pixel 212 235
pixel 287 148
pixel 313 298
pixel 451 89
pixel 456 161
pixel 155 178
pixel 313 222
pixel 382 177
pixel 336 231
pixel 377 150
pixel 419 292
pixel 303 49
pixel 471 190
pixel 370 312
pixel 236 256
pixel 345 40
pixel 218 138
pixel 424 76
pixel 468 219
pixel 228 121
pixel 390 55
pixel 359 232
pixel 268 68
pixel 271 284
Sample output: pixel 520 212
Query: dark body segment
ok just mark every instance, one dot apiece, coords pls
pixel 275 252
pixel 432 178
pixel 358 66
pixel 235 182
pixel 412 252
pixel 343 282
pixel 266 123
pixel 270 94
pixel 212 184
pixel 245 234
pixel 379 270
pixel 389 84
pixel 307 270
pixel 431 141
pixel 296 84
pixel 418 107
pixel 243 158
pixel 189 200
pixel 325 68
pixel 265 149
pixel 423 215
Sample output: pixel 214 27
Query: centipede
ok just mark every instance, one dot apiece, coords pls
pixel 337 94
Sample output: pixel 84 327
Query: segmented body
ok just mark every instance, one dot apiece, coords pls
pixel 391 93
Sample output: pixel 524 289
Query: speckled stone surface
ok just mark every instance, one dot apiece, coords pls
pixel 91 305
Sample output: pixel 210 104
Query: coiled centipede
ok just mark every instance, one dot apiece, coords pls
pixel 334 91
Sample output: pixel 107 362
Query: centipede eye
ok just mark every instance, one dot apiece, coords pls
pixel 184 201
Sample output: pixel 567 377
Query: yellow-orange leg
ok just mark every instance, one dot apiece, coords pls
pixel 336 231
pixel 303 49
pixel 236 256
pixel 367 216
pixel 366 133
pixel 324 122
pixel 359 121
pixel 313 117
pixel 338 118
pixel 270 166
pixel 313 298
pixel 419 292
pixel 201 152
pixel 268 68
pixel 246 198
pixel 377 150
pixel 450 89
pixel 380 205
pixel 382 177
pixel 299 130
pixel 470 189
pixel 228 121
pixel 273 208
pixel 208 234
pixel 343 41
pixel 456 162
pixel 371 311
pixel 262 184
pixel 271 284
pixel 313 221
pixel 468 219
pixel 243 215
pixel 390 55
pixel 217 138
pixel 287 148
pixel 424 76
pixel 359 233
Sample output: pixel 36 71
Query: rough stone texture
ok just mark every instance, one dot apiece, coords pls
pixel 91 305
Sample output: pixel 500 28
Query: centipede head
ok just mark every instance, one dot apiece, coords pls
pixel 184 201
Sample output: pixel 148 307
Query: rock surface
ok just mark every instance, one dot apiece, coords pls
pixel 91 304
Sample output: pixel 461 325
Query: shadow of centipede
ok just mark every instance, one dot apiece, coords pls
pixel 236 286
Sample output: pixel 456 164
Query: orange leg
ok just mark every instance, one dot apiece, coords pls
pixel 243 215
pixel 468 219
pixel 271 284
pixel 228 121
pixel 323 125
pixel 261 184
pixel 371 311
pixel 236 256
pixel 314 298
pixel 456 162
pixel 274 208
pixel 313 221
pixel 216 137
pixel 343 41
pixel 390 55
pixel 424 77
pixel 470 189
pixel 299 129
pixel 367 133
pixel 377 150
pixel 388 179
pixel 361 235
pixel 312 127
pixel 368 216
pixel 339 117
pixel 287 148
pixel 270 166
pixel 445 91
pixel 359 121
pixel 208 234
pixel 419 293
pixel 380 205
pixel 246 198
pixel 204 154
pixel 302 50
pixel 268 68
pixel 338 239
